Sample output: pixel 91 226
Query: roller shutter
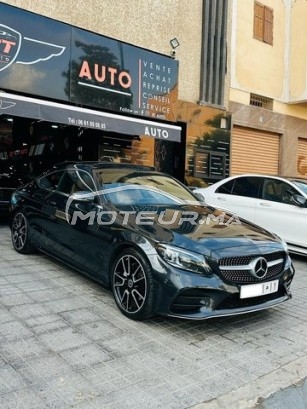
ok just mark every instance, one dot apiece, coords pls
pixel 302 157
pixel 254 151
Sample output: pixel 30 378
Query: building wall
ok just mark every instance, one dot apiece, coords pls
pixel 256 66
pixel 298 52
pixel 208 131
pixel 151 25
pixel 275 71
pixel 289 127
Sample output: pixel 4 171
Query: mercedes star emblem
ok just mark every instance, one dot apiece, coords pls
pixel 259 267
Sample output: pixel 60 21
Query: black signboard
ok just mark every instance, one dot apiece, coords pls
pixel 44 57
pixel 18 105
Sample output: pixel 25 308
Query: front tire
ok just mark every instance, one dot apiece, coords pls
pixel 20 234
pixel 132 285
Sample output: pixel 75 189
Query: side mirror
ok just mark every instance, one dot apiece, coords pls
pixel 82 196
pixel 199 196
pixel 81 201
pixel 299 200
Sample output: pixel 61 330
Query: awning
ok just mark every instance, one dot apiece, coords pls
pixel 18 105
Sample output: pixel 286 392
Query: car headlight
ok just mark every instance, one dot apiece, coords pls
pixel 183 259
pixel 285 246
pixel 282 242
pixel 13 199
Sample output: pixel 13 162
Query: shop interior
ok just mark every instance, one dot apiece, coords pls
pixel 32 146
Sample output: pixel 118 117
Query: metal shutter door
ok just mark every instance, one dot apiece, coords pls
pixel 254 151
pixel 302 157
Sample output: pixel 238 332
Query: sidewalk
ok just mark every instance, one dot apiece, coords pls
pixel 64 344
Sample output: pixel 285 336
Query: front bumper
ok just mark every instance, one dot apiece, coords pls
pixel 188 295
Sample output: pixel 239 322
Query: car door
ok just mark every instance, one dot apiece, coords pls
pixel 47 224
pixel 78 238
pixel 238 195
pixel 277 212
pixel 38 209
pixel 66 240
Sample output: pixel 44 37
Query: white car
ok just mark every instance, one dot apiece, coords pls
pixel 278 204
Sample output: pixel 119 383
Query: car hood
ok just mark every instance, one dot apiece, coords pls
pixel 204 229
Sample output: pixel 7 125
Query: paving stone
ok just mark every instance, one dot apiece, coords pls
pixel 64 344
pixel 85 356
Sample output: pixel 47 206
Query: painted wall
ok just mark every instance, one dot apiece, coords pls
pixel 298 52
pixel 277 71
pixel 256 66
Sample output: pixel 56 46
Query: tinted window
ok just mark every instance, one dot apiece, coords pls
pixel 131 186
pixel 278 191
pixel 76 181
pixel 226 187
pixel 301 184
pixel 246 186
pixel 50 181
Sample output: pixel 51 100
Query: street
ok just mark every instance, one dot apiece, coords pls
pixel 64 344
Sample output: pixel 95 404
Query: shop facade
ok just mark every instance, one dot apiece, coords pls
pixel 70 94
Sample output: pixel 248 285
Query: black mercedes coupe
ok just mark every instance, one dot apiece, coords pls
pixel 149 238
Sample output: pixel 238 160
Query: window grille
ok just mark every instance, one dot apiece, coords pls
pixel 260 101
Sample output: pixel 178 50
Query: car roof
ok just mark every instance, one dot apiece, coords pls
pixel 99 165
pixel 290 178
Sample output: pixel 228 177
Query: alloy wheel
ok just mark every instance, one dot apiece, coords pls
pixel 19 231
pixel 130 284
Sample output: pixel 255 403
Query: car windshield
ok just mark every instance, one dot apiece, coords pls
pixel 128 187
pixel 301 184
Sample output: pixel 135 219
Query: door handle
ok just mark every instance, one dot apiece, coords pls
pixel 264 204
pixel 223 199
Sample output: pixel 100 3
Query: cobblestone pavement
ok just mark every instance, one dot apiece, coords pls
pixel 64 344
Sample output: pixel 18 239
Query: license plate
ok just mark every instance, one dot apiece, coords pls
pixel 256 290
